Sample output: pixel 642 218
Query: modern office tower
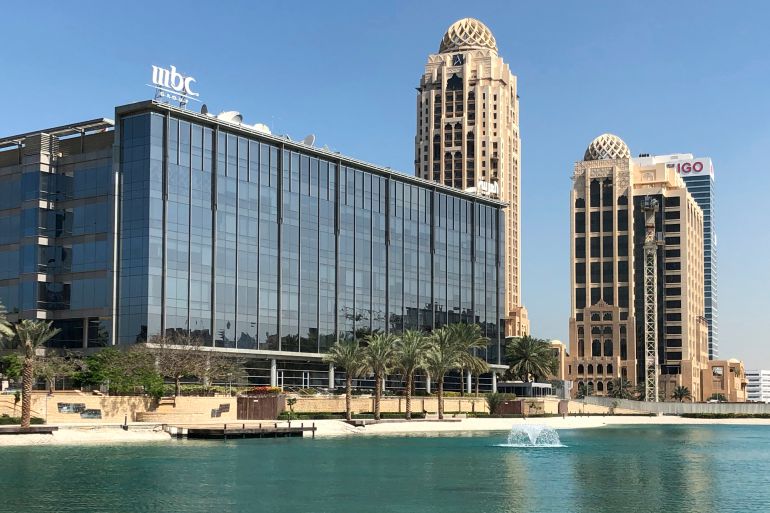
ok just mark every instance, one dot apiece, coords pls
pixel 170 220
pixel 758 387
pixel 698 175
pixel 468 136
pixel 610 199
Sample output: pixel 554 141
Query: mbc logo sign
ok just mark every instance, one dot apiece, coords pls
pixel 172 80
pixel 689 167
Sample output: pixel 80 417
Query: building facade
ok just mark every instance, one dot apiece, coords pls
pixel 725 380
pixel 758 386
pixel 608 230
pixel 261 246
pixel 698 176
pixel 467 136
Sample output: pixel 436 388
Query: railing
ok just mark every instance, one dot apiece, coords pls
pixel 672 408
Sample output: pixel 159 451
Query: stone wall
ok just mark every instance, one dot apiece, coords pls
pixel 365 404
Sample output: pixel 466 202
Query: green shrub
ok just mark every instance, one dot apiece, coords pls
pixel 7 420
pixel 495 401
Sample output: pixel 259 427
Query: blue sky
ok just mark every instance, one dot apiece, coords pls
pixel 668 77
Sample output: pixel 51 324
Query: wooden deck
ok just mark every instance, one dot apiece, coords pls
pixel 239 431
pixel 32 430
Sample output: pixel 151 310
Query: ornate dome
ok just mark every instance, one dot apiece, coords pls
pixel 607 147
pixel 467 34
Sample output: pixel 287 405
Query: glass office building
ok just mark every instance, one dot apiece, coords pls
pixel 270 248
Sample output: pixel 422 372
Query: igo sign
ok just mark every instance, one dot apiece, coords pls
pixel 173 85
pixel 693 166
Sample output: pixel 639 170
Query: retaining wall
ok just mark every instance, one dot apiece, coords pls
pixel 674 408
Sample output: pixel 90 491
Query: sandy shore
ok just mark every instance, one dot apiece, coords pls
pixel 338 428
pixel 86 435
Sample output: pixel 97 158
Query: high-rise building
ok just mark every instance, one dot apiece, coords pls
pixel 758 388
pixel 616 202
pixel 167 220
pixel 468 136
pixel 698 175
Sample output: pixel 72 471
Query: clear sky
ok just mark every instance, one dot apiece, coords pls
pixel 667 77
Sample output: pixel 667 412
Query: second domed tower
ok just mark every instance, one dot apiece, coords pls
pixel 468 138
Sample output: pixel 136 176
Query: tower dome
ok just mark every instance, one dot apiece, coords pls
pixel 607 147
pixel 467 34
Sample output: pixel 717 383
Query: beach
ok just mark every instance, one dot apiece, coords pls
pixel 77 435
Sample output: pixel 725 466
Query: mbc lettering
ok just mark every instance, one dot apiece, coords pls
pixel 172 79
pixel 686 167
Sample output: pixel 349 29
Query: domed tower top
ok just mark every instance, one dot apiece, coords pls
pixel 467 34
pixel 607 147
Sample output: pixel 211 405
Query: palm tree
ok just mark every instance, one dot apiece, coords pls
pixel 468 338
pixel 31 334
pixel 441 357
pixel 410 352
pixel 477 366
pixel 347 355
pixel 681 393
pixel 529 357
pixel 620 388
pixel 379 357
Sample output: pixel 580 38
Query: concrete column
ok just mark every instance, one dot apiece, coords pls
pixel 494 382
pixel 469 388
pixel 273 373
pixel 427 383
pixel 383 383
pixel 331 376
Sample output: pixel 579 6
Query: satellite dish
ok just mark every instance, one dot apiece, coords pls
pixel 309 140
pixel 232 116
pixel 204 109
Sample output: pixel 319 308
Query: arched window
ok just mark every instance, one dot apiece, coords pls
pixel 458 135
pixel 590 369
pixel 599 386
pixel 581 330
pixel 624 372
pixel 623 349
pixel 596 348
pixel 581 369
pixel 600 369
pixel 580 203
pixel 581 348
pixel 608 347
pixel 607 330
pixel 609 369
pixel 609 387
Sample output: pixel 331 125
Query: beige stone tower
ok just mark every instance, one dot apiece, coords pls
pixel 608 232
pixel 468 136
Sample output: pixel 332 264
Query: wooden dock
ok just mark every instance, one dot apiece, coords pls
pixel 32 430
pixel 240 431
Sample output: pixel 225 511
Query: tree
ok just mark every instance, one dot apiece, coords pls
pixel 495 401
pixel 122 370
pixel 379 355
pixel 584 390
pixel 178 354
pixel 681 393
pixel 442 356
pixel 530 358
pixel 409 356
pixel 31 334
pixel 620 388
pixel 52 367
pixel 11 366
pixel 349 356
pixel 468 338
pixel 477 367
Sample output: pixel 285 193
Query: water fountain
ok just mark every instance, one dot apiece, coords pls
pixel 532 435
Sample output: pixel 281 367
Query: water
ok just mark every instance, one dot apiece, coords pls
pixel 637 469
pixel 532 435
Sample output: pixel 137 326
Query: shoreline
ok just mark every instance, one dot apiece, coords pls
pixel 96 434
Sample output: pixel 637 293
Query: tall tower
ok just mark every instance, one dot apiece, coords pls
pixel 637 275
pixel 468 136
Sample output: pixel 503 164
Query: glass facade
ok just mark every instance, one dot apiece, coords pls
pixel 255 242
pixel 56 224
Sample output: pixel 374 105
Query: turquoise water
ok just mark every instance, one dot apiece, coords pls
pixel 648 469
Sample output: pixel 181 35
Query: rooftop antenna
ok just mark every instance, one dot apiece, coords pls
pixel 309 140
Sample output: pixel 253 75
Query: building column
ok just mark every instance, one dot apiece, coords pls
pixel 273 373
pixel 331 377
pixel 85 332
pixel 494 382
pixel 469 387
pixel 427 383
